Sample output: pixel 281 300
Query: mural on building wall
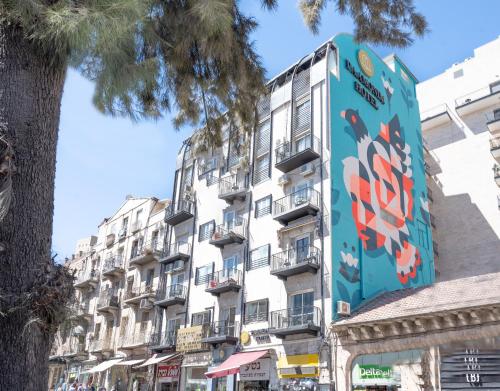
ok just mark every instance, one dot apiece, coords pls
pixel 381 232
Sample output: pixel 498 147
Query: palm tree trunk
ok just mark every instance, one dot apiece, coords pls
pixel 31 85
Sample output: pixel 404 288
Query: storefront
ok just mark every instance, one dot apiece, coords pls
pixel 255 376
pixel 168 376
pixel 299 372
pixel 194 367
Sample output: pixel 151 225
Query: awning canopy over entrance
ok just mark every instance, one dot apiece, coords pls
pixel 104 365
pixel 157 358
pixel 130 362
pixel 232 364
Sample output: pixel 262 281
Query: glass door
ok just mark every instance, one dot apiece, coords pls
pixel 301 308
pixel 229 268
pixel 301 249
pixel 176 284
pixel 229 217
pixel 227 318
pixel 300 193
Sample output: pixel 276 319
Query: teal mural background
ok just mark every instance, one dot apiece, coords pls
pixel 360 274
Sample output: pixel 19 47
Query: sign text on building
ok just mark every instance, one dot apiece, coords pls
pixel 256 370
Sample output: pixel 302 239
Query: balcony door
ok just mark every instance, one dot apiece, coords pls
pixel 227 318
pixel 229 219
pixel 301 307
pixel 300 193
pixel 230 264
pixel 302 246
pixel 176 284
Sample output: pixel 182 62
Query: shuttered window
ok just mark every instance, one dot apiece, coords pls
pixel 203 273
pixel 263 206
pixel 263 138
pixel 259 257
pixel 262 148
pixel 206 230
pixel 302 117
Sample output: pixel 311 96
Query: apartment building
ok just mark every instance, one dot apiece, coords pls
pixel 447 335
pixel 117 276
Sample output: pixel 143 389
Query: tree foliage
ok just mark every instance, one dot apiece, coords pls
pixel 148 57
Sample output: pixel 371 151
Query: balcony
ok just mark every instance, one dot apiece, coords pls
pixel 290 155
pixel 496 174
pixel 146 253
pixel 300 203
pixel 136 294
pixel 233 187
pixel 174 267
pixel 101 346
pixel 495 148
pixel 110 240
pixel 76 349
pixel 178 251
pixel 295 261
pixel 108 302
pixel 87 279
pixel 493 122
pixel 174 295
pixel 477 100
pixel 234 232
pixel 178 212
pixel 291 321
pixel 113 267
pixel 162 341
pixel 228 280
pixel 135 340
pixel 222 332
pixel 81 311
pixel 434 117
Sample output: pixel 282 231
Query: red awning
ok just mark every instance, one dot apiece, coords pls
pixel 232 364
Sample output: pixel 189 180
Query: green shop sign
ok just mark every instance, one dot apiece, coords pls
pixel 375 372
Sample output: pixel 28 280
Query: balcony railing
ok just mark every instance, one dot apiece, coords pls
pixel 160 341
pixel 176 251
pixel 290 155
pixel 222 332
pixel 136 339
pixel 101 345
pixel 81 310
pixel 113 266
pixel 172 295
pixel 233 187
pixel 180 211
pixel 134 295
pixel 298 320
pixel 224 281
pixel 146 253
pixel 477 100
pixel 108 301
pixel 298 204
pixel 302 259
pixel 76 348
pixel 87 279
pixel 233 232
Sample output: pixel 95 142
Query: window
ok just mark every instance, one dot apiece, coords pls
pixel 256 311
pixel 423 238
pixel 458 73
pixel 154 239
pixel 259 257
pixel 230 263
pixel 200 318
pixel 263 206
pixel 206 231
pixel 261 169
pixel 303 116
pixel 302 249
pixel 496 114
pixel 149 277
pixel 263 138
pixel 144 322
pixel 203 274
pixel 97 331
pixel 301 308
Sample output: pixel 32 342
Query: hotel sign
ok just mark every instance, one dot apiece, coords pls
pixel 362 85
pixel 189 339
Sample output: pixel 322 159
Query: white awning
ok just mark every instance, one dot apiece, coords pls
pixel 104 365
pixel 156 358
pixel 130 362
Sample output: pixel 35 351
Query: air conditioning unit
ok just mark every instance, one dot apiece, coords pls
pixel 307 169
pixel 283 180
pixel 343 308
pixel 145 304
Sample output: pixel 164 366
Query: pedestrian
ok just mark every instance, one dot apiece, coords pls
pixel 80 387
pixel 73 387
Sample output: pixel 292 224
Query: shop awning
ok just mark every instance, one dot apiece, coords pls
pixel 130 362
pixel 298 366
pixel 156 358
pixel 232 364
pixel 104 365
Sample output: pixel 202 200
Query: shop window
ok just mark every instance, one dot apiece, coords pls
pixel 203 274
pixel 263 206
pixel 200 318
pixel 259 257
pixel 256 311
pixel 206 231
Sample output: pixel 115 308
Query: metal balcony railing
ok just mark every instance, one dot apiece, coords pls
pixel 475 95
pixel 288 149
pixel 165 339
pixel 297 256
pixel 101 345
pixel 76 346
pixel 222 329
pixel 232 185
pixel 226 278
pixel 87 276
pixel 81 309
pixel 234 231
pixel 112 263
pixel 176 251
pixel 136 339
pixel 298 317
pixel 139 291
pixel 172 292
pixel 108 298
pixel 297 199
pixel 182 207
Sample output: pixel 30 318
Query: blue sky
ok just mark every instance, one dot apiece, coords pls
pixel 102 159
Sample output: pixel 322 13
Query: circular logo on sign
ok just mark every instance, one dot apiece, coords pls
pixel 365 63
pixel 244 337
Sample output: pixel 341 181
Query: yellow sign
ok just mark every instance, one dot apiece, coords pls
pixel 244 337
pixel 189 339
pixel 298 366
pixel 365 63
